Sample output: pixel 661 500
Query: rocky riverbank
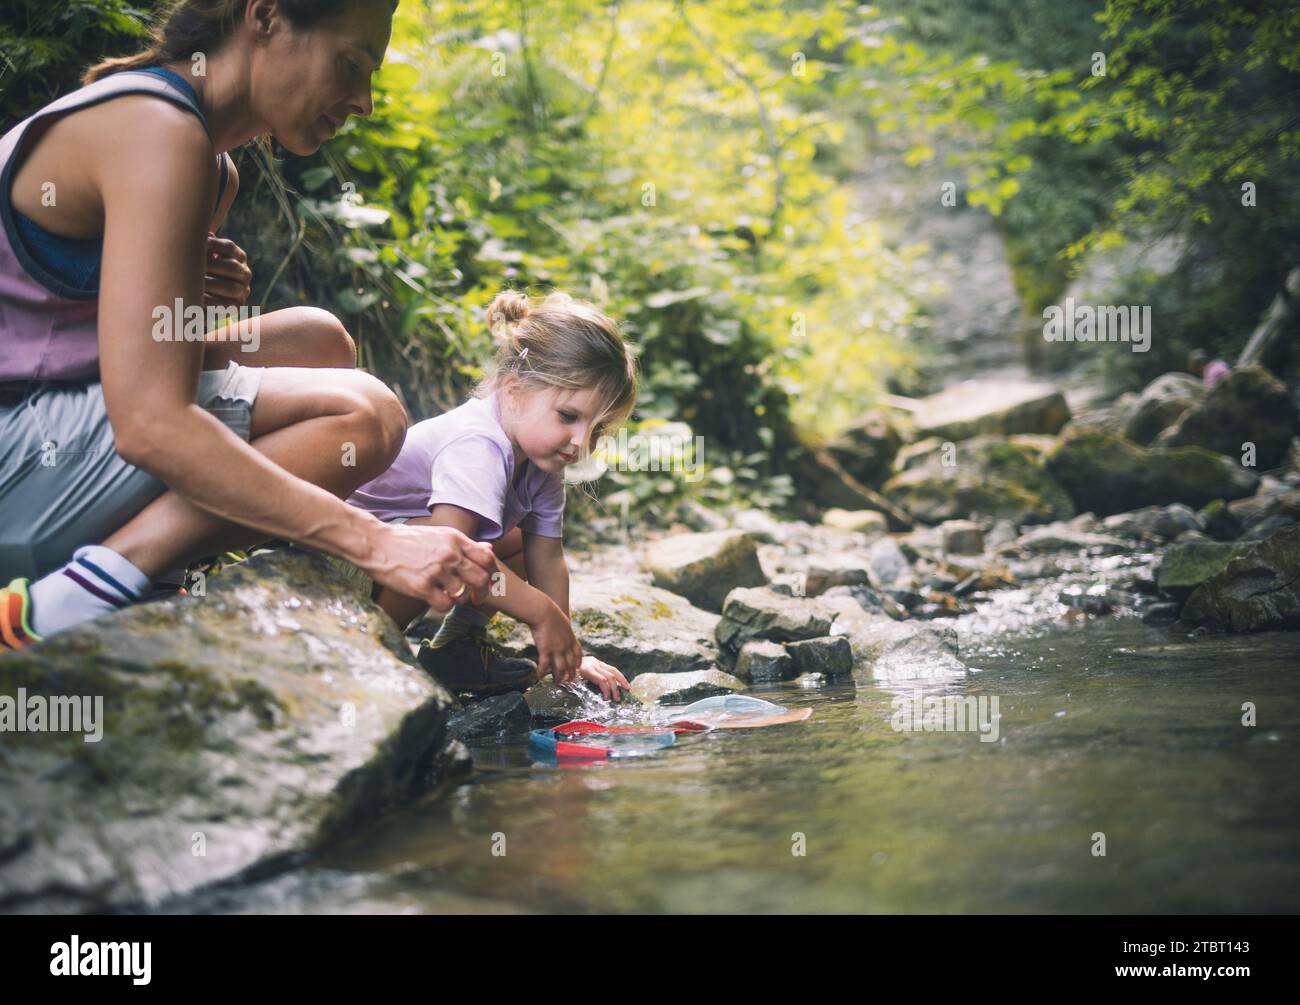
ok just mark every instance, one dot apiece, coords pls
pixel 255 724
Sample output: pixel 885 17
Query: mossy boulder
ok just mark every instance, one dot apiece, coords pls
pixel 994 477
pixel 1258 589
pixel 704 568
pixel 240 728
pixel 1185 565
pixel 1106 474
pixel 629 624
pixel 1249 406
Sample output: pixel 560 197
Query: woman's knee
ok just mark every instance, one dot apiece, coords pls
pixel 323 337
pixel 381 419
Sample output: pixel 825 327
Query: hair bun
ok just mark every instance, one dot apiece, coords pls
pixel 505 309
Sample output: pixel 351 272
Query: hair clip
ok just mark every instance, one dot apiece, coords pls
pixel 523 353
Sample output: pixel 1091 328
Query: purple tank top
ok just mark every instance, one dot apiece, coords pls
pixel 48 329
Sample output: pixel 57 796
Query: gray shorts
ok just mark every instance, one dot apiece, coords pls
pixel 62 482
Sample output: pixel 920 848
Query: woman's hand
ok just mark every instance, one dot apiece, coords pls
pixel 439 565
pixel 604 676
pixel 227 280
pixel 558 651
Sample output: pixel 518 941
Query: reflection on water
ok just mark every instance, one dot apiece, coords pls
pixel 1107 728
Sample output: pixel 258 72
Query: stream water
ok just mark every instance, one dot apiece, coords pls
pixel 1106 728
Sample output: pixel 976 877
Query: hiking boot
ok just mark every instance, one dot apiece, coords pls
pixel 470 664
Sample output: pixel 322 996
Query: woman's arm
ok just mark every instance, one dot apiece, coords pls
pixel 154 169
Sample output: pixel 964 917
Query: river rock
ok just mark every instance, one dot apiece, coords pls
pixel 830 657
pixel 761 660
pixel 684 688
pixel 989 476
pixel 1185 565
pixel 1258 589
pixel 866 449
pixel 870 600
pixel 887 650
pixel 862 521
pixel 704 568
pixel 1063 537
pixel 491 718
pixel 1249 405
pixel 259 721
pixel 827 571
pixel 962 537
pixel 1267 527
pixel 631 625
pixel 1161 404
pixel 1107 474
pixel 998 407
pixel 886 563
pixel 765 614
pixel 761 526
pixel 1153 523
pixel 1260 507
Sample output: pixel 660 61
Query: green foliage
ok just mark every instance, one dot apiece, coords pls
pixel 45 46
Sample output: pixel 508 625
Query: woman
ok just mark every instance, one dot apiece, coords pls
pixel 127 448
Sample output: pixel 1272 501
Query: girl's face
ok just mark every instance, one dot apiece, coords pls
pixel 307 82
pixel 551 427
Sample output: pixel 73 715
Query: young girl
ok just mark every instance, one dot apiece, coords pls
pixel 494 469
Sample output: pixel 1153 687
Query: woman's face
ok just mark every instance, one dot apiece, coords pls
pixel 307 81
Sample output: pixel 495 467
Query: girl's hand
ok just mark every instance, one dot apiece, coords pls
pixel 227 280
pixel 604 676
pixel 558 651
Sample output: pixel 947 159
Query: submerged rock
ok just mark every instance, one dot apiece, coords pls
pixel 704 568
pixel 630 625
pixel 492 718
pixel 1258 589
pixel 1106 474
pixel 260 721
pixel 684 688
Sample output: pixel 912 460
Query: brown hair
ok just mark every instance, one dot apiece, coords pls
pixel 561 343
pixel 191 26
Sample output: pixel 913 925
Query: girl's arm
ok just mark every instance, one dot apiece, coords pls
pixel 547 569
pixel 558 651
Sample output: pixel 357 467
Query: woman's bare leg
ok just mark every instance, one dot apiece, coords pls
pixel 303 420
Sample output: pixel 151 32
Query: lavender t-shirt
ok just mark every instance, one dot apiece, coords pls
pixel 464 458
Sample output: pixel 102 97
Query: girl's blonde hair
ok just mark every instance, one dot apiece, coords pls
pixel 564 344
